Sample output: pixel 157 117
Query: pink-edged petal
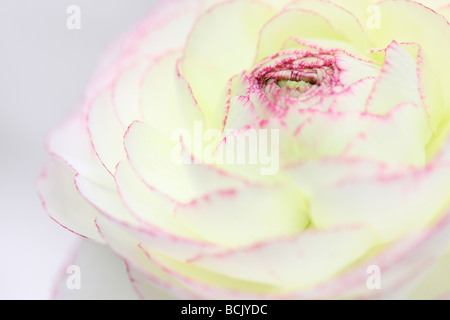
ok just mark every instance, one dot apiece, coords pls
pixel 409 200
pixel 63 203
pixel 106 131
pixel 71 142
pixel 211 59
pixel 165 28
pixel 406 125
pixel 126 92
pixel 398 82
pixel 399 264
pixel 241 113
pixel 293 23
pixel 353 69
pixel 205 284
pixel 106 200
pixel 146 289
pixel 101 276
pixel 166 98
pixel 343 20
pixel 296 262
pixel 174 246
pixel 256 214
pixel 251 153
pixel 445 11
pixel 142 272
pixel 145 204
pixel 354 96
pixel 430 89
pixel 171 275
pixel 354 134
pixel 396 14
pixel 312 176
pixel 401 267
pixel 163 164
pixel 326 45
pixel 312 19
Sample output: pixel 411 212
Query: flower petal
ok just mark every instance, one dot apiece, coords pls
pixel 145 203
pixel 293 263
pixel 166 97
pixel 171 245
pixel 164 29
pixel 354 96
pixel 152 156
pixel 106 131
pixel 353 69
pixel 56 189
pixel 411 129
pixel 105 200
pixel 343 20
pixel 257 214
pixel 146 289
pixel 410 200
pixel 150 274
pixel 71 143
pixel 312 19
pixel 293 23
pixel 126 92
pixel 352 134
pixel 211 59
pixel 393 17
pixel 401 267
pixel 398 82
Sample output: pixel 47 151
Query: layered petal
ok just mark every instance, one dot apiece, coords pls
pixel 398 82
pixel 393 204
pixel 106 131
pixel 71 143
pixel 261 149
pixel 296 262
pixel 56 189
pixel 210 59
pixel 392 18
pixel 257 214
pixel 165 165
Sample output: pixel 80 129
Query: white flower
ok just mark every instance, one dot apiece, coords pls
pixel 348 103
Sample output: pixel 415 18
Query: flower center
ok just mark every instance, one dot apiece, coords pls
pixel 293 86
pixel 290 77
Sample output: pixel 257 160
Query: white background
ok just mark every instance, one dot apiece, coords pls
pixel 44 68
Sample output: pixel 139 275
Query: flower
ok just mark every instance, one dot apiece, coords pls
pixel 348 101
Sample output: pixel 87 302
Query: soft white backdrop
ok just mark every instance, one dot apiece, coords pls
pixel 44 68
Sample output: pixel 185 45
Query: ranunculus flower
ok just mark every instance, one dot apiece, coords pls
pixel 337 181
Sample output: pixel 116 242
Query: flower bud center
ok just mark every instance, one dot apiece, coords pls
pixel 293 76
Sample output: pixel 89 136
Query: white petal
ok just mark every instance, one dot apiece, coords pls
pixel 392 204
pixel 152 156
pixel 398 82
pixel 221 45
pixel 62 201
pixel 146 204
pixel 106 131
pixel 242 217
pixel 71 142
pixel 296 262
